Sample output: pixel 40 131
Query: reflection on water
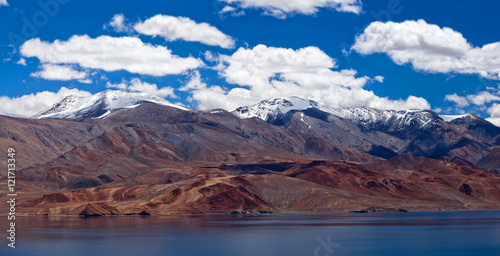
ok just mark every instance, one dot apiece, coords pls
pixel 448 233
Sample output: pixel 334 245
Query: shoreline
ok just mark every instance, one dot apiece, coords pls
pixel 255 214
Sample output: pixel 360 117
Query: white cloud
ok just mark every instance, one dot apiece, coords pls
pixel 182 28
pixel 136 85
pixel 494 111
pixel 266 72
pixel 194 82
pixel 234 11
pixel 429 48
pixel 3 3
pixel 22 62
pixel 283 8
pixel 379 79
pixel 119 24
pixel 110 54
pixel 61 73
pixel 29 105
pixel 122 86
pixel 459 100
pixel 483 98
pixel 478 99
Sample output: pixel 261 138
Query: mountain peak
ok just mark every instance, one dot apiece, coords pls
pixel 100 104
pixel 270 109
pixel 449 118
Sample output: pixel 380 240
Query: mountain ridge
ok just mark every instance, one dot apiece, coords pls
pixel 161 159
pixel 100 104
pixel 281 106
pixel 74 107
pixel 334 133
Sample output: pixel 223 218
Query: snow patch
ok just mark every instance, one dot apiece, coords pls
pixel 449 118
pixel 302 119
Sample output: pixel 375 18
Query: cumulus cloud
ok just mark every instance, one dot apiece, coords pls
pixel 483 98
pixel 31 104
pixel 283 8
pixel 119 24
pixel 429 48
pixel 233 11
pixel 110 54
pixel 61 73
pixel 479 99
pixel 459 100
pixel 136 85
pixel 182 28
pixel 3 3
pixel 266 72
pixel 122 86
pixel 194 83
pixel 22 62
pixel 494 111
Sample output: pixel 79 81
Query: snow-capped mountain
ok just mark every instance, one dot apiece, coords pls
pixel 292 125
pixel 100 104
pixel 273 108
pixel 269 110
pixel 383 133
pixel 450 118
pixel 367 116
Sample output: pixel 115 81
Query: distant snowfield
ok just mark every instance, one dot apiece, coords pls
pixel 269 109
pixel 449 118
pixel 100 105
pixel 103 102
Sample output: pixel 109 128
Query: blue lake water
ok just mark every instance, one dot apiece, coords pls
pixel 443 233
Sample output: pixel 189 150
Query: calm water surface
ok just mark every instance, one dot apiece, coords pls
pixel 444 233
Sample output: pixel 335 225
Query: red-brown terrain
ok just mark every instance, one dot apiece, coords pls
pixel 156 159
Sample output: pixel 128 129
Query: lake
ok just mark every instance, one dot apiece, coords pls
pixel 441 233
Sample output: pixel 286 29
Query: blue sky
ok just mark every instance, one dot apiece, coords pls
pixel 306 49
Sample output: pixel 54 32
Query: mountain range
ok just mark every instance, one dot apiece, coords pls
pixel 463 139
pixel 130 153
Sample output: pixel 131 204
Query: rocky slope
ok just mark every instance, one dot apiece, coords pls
pixel 156 158
pixel 465 139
